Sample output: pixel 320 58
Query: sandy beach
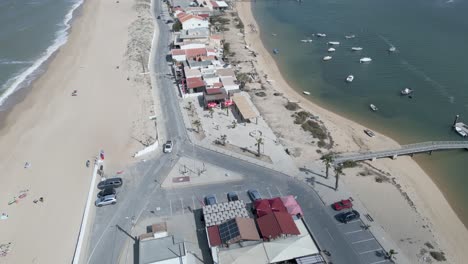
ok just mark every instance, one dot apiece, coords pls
pixel 56 133
pixel 407 204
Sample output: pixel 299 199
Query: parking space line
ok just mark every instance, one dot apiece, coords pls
pixel 182 202
pixel 380 261
pixel 279 191
pixel 352 232
pixel 170 206
pixel 364 240
pixel 268 189
pixel 369 251
pixel 326 229
pixel 193 203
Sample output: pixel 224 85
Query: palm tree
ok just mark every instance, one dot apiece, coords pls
pixel 391 253
pixel 211 112
pixel 338 172
pixel 197 123
pixel 258 144
pixel 328 160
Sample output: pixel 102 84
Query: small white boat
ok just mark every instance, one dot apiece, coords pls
pixel 350 36
pixel 333 43
pixel 306 40
pixel 350 78
pixel 392 49
pixel 331 50
pixel 327 58
pixel 321 35
pixel 460 132
pixel 365 60
pixel 406 91
pixel 274 34
pixel 373 107
pixel 356 48
pixel 306 93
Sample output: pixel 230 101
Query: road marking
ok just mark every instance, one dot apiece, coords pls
pixel 279 191
pixel 193 203
pixel 364 240
pixel 380 261
pixel 352 232
pixel 326 229
pixel 182 202
pixel 369 251
pixel 170 206
pixel 268 189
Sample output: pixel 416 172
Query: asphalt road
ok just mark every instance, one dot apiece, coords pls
pixel 141 195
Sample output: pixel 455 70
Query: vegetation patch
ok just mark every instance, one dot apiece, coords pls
pixel 438 255
pixel 349 164
pixel 301 117
pixel 315 129
pixel 291 106
pixel 261 94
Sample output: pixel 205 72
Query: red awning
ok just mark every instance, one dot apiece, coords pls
pixel 228 103
pixel 211 104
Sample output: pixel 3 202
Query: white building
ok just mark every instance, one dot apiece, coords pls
pixel 190 22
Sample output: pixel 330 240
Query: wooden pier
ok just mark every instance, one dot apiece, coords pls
pixel 424 147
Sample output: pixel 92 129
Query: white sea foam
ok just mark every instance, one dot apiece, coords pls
pixel 9 62
pixel 61 36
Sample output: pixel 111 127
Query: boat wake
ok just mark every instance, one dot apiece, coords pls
pixel 61 36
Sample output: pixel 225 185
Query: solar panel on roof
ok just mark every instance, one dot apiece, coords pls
pixel 228 230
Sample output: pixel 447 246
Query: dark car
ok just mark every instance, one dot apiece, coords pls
pixel 343 204
pixel 210 200
pixel 254 195
pixel 159 17
pixel 232 196
pixel 169 21
pixel 347 216
pixel 107 191
pixel 111 182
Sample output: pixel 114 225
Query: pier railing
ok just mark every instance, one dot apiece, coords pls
pixel 404 150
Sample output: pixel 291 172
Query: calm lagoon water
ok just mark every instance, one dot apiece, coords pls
pixel 431 58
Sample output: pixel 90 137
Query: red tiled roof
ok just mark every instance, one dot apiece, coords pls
pixel 214 91
pixel 213 234
pixel 195 82
pixel 177 52
pixel 188 17
pixel 276 224
pixel 217 85
pixel 277 205
pixel 262 207
pixel 195 52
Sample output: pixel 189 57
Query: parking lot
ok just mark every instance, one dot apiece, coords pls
pixel 183 200
pixel 361 240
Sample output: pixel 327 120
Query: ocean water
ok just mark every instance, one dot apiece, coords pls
pixel 431 37
pixel 30 32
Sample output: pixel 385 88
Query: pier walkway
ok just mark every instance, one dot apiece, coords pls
pixel 404 150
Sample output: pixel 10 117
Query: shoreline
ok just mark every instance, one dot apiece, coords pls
pixel 429 200
pixel 56 132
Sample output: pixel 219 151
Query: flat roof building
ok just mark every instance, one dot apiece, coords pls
pixel 164 250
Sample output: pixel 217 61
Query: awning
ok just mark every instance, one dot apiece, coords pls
pixel 244 107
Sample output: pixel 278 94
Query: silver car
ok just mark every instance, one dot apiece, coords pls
pixel 168 146
pixel 106 200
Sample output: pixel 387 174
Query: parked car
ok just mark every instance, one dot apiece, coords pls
pixel 111 182
pixel 168 146
pixel 232 196
pixel 210 200
pixel 369 132
pixel 169 21
pixel 106 200
pixel 159 17
pixel 343 204
pixel 345 217
pixel 254 195
pixel 107 191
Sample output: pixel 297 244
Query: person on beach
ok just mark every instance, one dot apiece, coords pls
pixel 87 163
pixel 27 165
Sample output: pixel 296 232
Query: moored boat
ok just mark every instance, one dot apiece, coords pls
pixel 406 91
pixel 460 131
pixel 392 49
pixel 350 78
pixel 275 51
pixel 356 48
pixel 331 50
pixel 306 40
pixel 327 58
pixel 321 35
pixel 369 132
pixel 350 36
pixel 373 107
pixel 365 60
pixel 306 93
pixel 333 43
